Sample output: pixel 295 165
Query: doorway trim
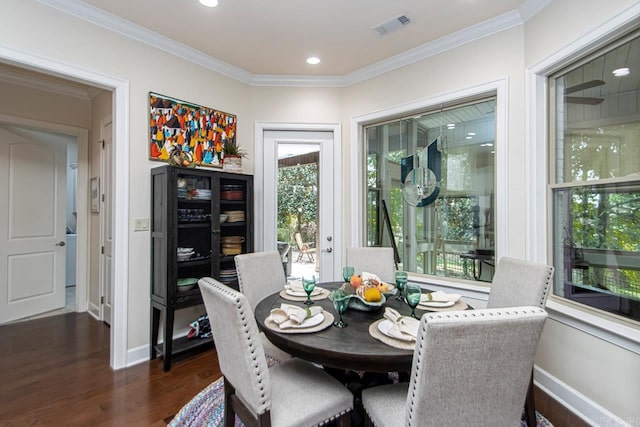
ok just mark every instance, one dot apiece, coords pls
pixel 120 174
pixel 259 197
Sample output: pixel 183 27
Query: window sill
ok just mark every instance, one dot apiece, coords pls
pixel 619 332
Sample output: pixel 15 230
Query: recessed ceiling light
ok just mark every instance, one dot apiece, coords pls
pixel 313 60
pixel 471 134
pixel 209 3
pixel 619 72
pixel 468 137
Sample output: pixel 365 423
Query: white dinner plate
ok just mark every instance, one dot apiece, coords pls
pixel 314 292
pixel 436 304
pixel 310 322
pixel 384 327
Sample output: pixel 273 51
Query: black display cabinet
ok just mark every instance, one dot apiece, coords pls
pixel 190 241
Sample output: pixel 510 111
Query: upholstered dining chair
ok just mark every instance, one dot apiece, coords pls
pixel 518 282
pixel 378 261
pixel 260 274
pixel 291 393
pixel 469 368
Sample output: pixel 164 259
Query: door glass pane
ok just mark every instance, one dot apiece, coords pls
pixel 430 190
pixel 298 207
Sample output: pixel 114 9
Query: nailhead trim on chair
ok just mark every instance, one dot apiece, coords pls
pixel 547 286
pixel 250 342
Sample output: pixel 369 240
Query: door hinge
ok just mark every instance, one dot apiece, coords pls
pixel 101 142
pixel 102 250
pixel 101 300
pixel 103 197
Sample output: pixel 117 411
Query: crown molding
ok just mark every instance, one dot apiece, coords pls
pixel 451 41
pixel 144 35
pixel 33 82
pixel 129 29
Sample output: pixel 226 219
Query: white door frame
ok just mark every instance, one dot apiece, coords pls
pixel 120 88
pixel 259 198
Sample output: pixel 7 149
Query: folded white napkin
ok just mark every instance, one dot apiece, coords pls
pixel 296 286
pixel 288 316
pixel 402 327
pixel 439 296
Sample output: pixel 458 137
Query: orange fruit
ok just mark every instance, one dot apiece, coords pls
pixel 355 281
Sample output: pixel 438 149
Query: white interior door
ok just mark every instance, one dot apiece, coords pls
pixel 283 143
pixel 106 202
pixel 32 223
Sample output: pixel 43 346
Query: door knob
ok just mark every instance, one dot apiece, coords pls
pixel 61 243
pixel 328 250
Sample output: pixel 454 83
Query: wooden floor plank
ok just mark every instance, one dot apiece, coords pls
pixel 55 371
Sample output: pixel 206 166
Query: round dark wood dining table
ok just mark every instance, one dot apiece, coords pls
pixel 343 348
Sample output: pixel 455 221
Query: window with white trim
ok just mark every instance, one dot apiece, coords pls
pixel 430 188
pixel 594 182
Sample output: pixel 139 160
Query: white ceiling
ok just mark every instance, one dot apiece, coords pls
pixel 274 38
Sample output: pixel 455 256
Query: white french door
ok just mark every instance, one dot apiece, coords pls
pixel 316 144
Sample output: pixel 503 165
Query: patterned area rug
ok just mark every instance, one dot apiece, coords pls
pixel 207 409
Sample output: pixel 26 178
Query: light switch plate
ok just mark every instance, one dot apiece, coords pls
pixel 140 224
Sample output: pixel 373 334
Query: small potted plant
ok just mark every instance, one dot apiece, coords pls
pixel 232 156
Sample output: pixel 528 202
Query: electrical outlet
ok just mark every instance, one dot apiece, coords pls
pixel 140 224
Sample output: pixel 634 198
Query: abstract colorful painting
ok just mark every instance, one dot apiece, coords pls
pixel 191 128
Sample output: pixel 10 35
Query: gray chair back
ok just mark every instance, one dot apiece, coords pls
pixel 473 366
pixel 260 274
pixel 239 348
pixel 517 282
pixel 376 260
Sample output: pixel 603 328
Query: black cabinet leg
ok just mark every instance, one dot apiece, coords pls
pixel 168 338
pixel 155 326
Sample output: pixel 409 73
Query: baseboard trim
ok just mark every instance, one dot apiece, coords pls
pixel 94 311
pixel 137 355
pixel 142 353
pixel 576 402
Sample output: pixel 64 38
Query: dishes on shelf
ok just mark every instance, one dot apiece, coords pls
pixel 185 253
pixel 232 192
pixel 232 245
pixel 187 284
pixel 223 218
pixel 235 216
pixel 192 215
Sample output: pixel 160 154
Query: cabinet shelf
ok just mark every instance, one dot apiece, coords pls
pixel 194 225
pixel 179 222
pixel 183 345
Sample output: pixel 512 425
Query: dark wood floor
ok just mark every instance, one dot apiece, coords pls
pixel 55 372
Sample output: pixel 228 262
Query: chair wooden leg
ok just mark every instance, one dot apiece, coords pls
pixel 344 420
pixel 530 405
pixel 229 415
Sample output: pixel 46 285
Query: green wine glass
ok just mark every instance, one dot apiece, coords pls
pixel 412 295
pixel 347 272
pixel 340 299
pixel 309 285
pixel 401 283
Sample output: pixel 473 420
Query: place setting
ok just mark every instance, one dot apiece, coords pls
pixel 293 319
pixel 395 329
pixel 304 289
pixel 441 301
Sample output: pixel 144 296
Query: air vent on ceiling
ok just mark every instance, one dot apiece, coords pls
pixel 391 25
